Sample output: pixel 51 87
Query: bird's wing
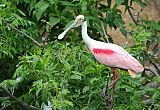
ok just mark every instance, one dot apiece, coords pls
pixel 131 60
pixel 116 56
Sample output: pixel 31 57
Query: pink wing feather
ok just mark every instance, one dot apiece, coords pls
pixel 115 56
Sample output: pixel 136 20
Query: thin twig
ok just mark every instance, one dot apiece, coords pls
pixel 106 97
pixel 4 107
pixel 33 40
pixel 154 65
pixel 105 32
pixel 138 14
pixel 152 71
pixel 22 104
pixel 131 15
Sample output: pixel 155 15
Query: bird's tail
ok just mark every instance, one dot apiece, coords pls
pixel 132 73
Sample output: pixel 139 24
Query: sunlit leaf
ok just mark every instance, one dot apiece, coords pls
pixel 53 21
pixel 41 6
pixel 119 2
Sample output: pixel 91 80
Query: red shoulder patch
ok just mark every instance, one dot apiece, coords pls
pixel 103 51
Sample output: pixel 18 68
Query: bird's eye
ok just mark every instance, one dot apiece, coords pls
pixel 81 19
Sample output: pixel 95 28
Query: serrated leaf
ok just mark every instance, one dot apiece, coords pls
pixel 93 79
pixel 118 21
pixel 142 4
pixel 127 88
pixel 109 17
pixel 41 6
pixel 119 2
pixel 52 1
pixel 67 66
pixel 157 28
pixel 76 76
pixel 123 31
pixel 156 79
pixel 85 89
pixel 66 3
pixel 53 21
pixel 84 7
pixel 21 12
pixel 149 89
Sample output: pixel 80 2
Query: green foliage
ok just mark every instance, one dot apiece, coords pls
pixel 66 74
pixel 69 79
pixel 146 35
pixel 134 91
pixel 10 16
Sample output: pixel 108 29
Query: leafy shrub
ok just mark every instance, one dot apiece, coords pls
pixel 65 74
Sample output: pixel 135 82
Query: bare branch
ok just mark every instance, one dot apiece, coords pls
pixel 4 107
pixel 135 20
pixel 106 36
pixel 154 65
pixel 131 15
pixel 151 70
pixel 21 103
pixel 21 32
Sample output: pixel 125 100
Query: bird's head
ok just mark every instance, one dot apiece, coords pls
pixel 77 22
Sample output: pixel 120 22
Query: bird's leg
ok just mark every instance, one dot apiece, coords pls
pixel 113 87
pixel 116 79
pixel 113 84
pixel 104 93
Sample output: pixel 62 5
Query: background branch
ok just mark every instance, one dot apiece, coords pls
pixel 132 17
pixel 154 65
pixel 106 37
pixel 21 32
pixel 152 71
pixel 22 104
pixel 4 107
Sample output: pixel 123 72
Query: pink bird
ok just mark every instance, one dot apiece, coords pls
pixel 107 53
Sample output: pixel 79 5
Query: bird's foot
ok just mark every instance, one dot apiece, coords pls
pixel 108 99
pixel 104 93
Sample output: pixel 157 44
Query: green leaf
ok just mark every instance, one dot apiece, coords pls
pixel 156 79
pixel 21 12
pixel 142 4
pixel 118 21
pixel 149 89
pixel 127 88
pixel 76 75
pixel 41 7
pixel 66 3
pixel 53 21
pixel 119 2
pixel 123 30
pixel 53 1
pixel 93 80
pixel 85 89
pixel 84 7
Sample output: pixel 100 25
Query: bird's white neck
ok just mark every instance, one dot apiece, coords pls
pixel 85 36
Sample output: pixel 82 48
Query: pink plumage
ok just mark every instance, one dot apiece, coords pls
pixel 115 56
pixel 110 54
pixel 107 53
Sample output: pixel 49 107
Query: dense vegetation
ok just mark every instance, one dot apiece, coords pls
pixel 38 71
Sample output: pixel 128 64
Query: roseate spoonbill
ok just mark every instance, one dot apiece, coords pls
pixel 107 53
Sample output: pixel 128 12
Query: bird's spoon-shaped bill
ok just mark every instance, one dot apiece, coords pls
pixel 61 36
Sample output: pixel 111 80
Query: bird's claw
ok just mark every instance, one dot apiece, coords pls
pixel 104 93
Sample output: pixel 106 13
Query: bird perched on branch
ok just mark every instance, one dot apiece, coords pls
pixel 108 54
